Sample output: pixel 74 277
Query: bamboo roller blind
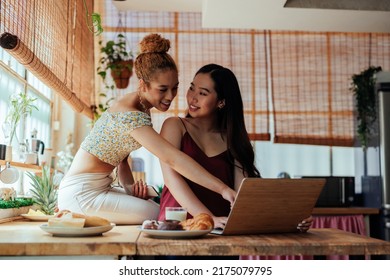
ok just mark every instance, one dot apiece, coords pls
pixel 308 81
pixel 310 72
pixel 55 44
pixel 243 51
pixel 311 77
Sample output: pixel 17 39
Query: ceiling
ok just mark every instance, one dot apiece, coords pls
pixel 307 15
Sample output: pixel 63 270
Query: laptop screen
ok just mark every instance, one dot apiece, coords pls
pixel 272 205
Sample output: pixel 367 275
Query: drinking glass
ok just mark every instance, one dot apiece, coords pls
pixel 175 213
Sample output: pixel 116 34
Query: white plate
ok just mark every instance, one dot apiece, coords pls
pixel 37 217
pixel 76 232
pixel 175 233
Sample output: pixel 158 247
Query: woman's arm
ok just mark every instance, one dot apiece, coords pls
pixel 125 176
pixel 185 196
pixel 126 179
pixel 182 192
pixel 175 182
pixel 238 176
pixel 179 161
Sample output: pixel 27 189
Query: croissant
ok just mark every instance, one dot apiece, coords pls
pixel 201 221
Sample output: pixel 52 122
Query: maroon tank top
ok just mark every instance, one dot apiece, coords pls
pixel 217 165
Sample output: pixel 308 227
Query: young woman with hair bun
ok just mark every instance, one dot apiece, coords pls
pixel 124 127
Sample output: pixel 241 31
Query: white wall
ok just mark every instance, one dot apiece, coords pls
pixel 271 159
pixel 152 166
pixel 303 160
pixel 69 122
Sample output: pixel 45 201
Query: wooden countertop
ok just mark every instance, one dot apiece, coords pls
pixel 25 238
pixel 345 211
pixel 315 242
pixel 21 238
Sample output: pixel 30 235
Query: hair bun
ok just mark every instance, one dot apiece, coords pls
pixel 154 43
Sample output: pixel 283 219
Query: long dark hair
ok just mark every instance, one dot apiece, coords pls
pixel 231 117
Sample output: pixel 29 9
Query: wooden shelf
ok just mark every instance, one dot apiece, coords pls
pixel 23 166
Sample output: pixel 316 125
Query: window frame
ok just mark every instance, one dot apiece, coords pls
pixel 13 79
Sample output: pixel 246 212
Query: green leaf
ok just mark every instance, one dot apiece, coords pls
pixel 363 88
pixel 21 106
pixel 96 26
pixel 97 23
pixel 44 193
pixel 17 203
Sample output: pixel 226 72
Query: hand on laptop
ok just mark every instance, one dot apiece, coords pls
pixel 219 222
pixel 305 224
pixel 229 194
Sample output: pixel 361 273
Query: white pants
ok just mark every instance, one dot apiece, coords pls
pixel 92 194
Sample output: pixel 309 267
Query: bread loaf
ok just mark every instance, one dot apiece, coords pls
pixel 95 221
pixel 89 221
pixel 201 221
pixel 66 220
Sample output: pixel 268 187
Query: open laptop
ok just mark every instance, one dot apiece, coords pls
pixel 271 205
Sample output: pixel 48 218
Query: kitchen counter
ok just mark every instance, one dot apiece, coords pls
pixel 25 238
pixel 345 211
pixel 351 219
pixel 315 242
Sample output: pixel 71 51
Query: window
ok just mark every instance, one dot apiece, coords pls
pixel 295 85
pixel 14 79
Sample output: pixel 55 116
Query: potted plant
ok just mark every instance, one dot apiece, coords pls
pixel 21 105
pixel 118 60
pixel 14 207
pixel 363 88
pixel 44 191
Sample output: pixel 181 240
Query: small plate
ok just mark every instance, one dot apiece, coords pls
pixel 37 217
pixel 175 233
pixel 77 232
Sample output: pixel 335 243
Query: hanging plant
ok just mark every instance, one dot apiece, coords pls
pixel 118 60
pixel 363 87
pixel 96 26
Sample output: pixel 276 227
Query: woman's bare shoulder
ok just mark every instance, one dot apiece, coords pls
pixel 172 121
pixel 173 124
pixel 125 103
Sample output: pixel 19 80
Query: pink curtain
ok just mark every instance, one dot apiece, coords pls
pixel 351 223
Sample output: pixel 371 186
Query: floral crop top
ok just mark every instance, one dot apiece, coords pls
pixel 110 139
